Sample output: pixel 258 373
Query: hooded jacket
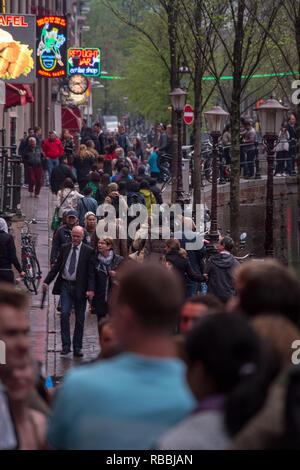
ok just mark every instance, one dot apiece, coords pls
pixel 220 281
pixel 149 198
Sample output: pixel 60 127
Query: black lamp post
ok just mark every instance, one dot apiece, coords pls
pixel 178 99
pixel 216 119
pixel 271 115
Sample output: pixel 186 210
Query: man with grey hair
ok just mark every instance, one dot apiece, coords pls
pixel 219 270
pixel 34 159
pixel 74 283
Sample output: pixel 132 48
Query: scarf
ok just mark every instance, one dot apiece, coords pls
pixel 108 260
pixel 3 225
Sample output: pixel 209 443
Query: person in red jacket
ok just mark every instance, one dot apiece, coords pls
pixel 52 148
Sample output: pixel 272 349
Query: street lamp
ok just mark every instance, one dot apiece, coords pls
pixel 216 119
pixel 271 115
pixel 184 76
pixel 178 100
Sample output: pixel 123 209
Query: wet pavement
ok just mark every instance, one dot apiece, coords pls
pixel 45 323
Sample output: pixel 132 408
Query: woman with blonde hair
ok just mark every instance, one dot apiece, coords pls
pixel 177 257
pixel 83 163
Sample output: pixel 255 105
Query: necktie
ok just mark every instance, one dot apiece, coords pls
pixel 72 261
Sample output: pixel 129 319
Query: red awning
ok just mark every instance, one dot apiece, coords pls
pixel 17 95
pixel 70 119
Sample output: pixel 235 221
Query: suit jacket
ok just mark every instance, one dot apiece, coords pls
pixel 85 277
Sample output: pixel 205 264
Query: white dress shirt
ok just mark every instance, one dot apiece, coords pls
pixel 66 275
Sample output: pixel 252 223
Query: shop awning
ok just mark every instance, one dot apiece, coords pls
pixel 70 119
pixel 17 95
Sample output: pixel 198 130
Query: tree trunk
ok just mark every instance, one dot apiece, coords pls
pixel 235 126
pixel 297 29
pixel 172 13
pixel 197 137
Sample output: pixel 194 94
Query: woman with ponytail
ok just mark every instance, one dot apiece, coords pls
pixel 229 375
pixel 177 257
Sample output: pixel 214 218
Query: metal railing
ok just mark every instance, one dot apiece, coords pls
pixel 10 178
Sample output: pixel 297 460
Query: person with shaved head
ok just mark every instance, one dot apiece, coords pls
pixel 75 283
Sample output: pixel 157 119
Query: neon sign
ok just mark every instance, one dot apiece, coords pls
pixel 51 46
pixel 84 61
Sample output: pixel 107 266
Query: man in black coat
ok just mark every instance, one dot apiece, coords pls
pixel 100 136
pixel 219 271
pixel 60 173
pixel 75 282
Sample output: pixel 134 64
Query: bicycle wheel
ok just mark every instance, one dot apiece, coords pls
pixel 165 185
pixel 30 275
pixel 208 171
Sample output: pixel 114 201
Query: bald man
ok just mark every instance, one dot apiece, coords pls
pixel 75 283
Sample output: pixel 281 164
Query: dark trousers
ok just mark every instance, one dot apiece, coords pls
pixel 26 176
pixel 291 160
pixel 282 162
pixel 7 276
pixel 250 162
pixel 68 299
pixel 35 179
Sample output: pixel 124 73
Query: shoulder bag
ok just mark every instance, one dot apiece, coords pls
pixel 55 219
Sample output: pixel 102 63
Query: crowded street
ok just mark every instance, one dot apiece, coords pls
pixel 149 229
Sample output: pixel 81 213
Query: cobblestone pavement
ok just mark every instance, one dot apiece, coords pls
pixel 45 323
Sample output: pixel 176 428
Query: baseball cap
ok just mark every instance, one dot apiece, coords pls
pixel 72 213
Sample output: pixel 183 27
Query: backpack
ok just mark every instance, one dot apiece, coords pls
pixel 126 163
pixel 133 198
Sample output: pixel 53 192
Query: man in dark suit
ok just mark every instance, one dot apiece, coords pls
pixel 100 136
pixel 74 283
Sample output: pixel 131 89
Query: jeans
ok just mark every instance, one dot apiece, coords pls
pixel 191 287
pixel 51 165
pixel 250 162
pixel 68 299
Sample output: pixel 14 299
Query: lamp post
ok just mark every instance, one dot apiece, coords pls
pixel 216 119
pixel 271 115
pixel 178 100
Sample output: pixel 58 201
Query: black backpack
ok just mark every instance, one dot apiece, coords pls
pixel 133 198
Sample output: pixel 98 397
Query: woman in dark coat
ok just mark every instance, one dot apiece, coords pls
pixel 137 148
pixel 8 255
pixel 106 262
pixel 83 164
pixel 176 257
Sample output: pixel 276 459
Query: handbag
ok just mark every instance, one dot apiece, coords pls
pixel 55 219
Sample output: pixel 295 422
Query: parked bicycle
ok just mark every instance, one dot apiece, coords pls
pixel 30 263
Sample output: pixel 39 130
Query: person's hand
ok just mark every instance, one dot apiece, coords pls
pixel 115 193
pixel 107 200
pixel 112 273
pixel 90 294
pixel 22 274
pixel 44 287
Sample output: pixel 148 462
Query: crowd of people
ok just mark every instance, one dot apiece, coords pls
pixel 285 148
pixel 174 373
pixel 195 353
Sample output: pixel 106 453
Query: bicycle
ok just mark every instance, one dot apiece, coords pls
pixel 165 174
pixel 30 263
